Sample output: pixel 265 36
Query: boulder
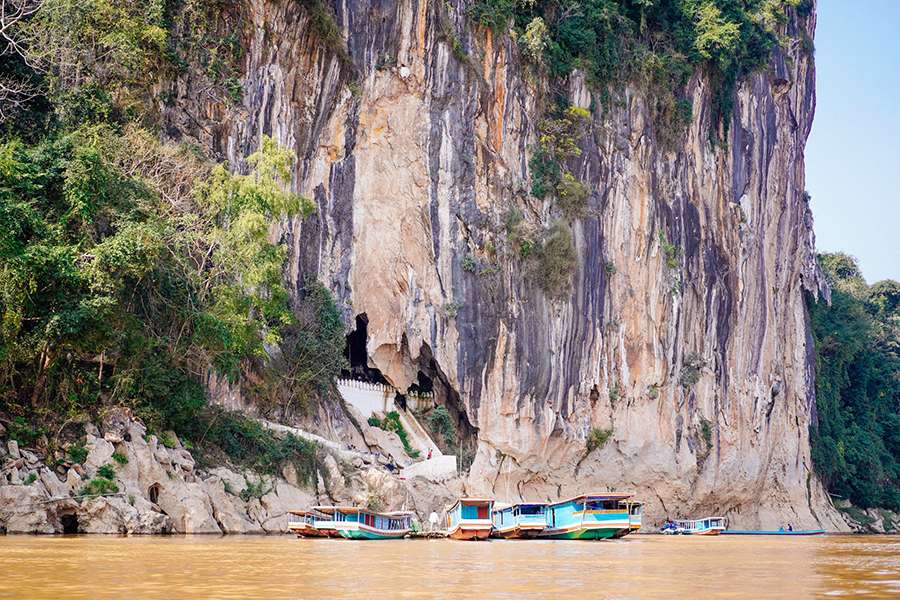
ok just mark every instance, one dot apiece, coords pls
pixel 56 488
pixel 23 509
pixel 228 509
pixel 13 447
pixel 73 481
pixel 100 453
pixel 189 507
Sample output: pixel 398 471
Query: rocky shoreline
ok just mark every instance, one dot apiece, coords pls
pixel 160 489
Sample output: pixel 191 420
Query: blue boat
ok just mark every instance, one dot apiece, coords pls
pixel 524 520
pixel 470 519
pixel 357 523
pixel 588 517
pixel 774 532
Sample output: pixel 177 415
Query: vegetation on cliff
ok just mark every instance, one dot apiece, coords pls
pixel 656 43
pixel 131 269
pixel 856 439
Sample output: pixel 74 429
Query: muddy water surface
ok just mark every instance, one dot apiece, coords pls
pixel 645 566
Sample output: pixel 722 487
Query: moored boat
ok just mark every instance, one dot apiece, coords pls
pixel 470 519
pixel 776 532
pixel 302 523
pixel 357 523
pixel 707 526
pixel 523 520
pixel 588 517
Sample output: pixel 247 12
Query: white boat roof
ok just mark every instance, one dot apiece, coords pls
pixel 473 502
pixel 597 496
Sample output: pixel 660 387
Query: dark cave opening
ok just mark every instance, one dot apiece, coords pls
pixel 358 355
pixel 69 522
pixel 153 493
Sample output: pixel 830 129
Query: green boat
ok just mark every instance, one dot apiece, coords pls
pixel 356 523
pixel 588 517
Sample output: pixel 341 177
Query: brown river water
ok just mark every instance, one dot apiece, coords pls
pixel 641 566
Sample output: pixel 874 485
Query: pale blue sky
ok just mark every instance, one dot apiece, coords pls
pixel 853 153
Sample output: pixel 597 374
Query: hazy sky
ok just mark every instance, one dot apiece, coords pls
pixel 853 153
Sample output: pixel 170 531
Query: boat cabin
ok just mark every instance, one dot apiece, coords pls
pixel 303 523
pixel 470 519
pixel 520 520
pixel 355 522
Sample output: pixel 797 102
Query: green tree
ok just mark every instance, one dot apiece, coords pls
pixel 856 439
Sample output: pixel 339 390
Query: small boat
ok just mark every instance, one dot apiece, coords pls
pixel 707 526
pixel 470 519
pixel 524 520
pixel 778 532
pixel 357 523
pixel 588 517
pixel 303 523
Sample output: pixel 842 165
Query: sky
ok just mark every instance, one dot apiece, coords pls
pixel 853 152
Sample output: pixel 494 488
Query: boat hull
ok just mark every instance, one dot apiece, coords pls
pixel 519 532
pixel 306 530
pixel 470 533
pixel 581 533
pixel 353 531
pixel 797 532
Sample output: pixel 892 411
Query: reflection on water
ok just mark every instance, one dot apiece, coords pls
pixel 636 567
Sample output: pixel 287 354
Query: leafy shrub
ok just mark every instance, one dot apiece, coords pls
pixel 77 453
pixel 571 195
pixel 248 444
pixel 442 427
pixel 99 486
pixel 168 440
pixel 120 458
pixel 553 262
pixel 32 477
pixel 653 392
pixel 609 268
pixel 670 251
pixel 106 472
pixel 254 490
pixel 391 422
pixel 691 366
pixel 23 432
pixel 597 438
pixel 468 264
pixel 706 432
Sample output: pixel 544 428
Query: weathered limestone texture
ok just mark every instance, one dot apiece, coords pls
pixel 414 158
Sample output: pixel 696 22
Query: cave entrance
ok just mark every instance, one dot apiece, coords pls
pixel 153 493
pixel 69 522
pixel 357 354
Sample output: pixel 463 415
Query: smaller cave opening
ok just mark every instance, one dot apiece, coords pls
pixel 357 354
pixel 69 522
pixel 153 493
pixel 423 384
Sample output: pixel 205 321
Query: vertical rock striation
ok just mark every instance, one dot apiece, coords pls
pixel 700 362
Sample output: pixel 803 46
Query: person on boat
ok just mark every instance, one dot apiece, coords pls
pixel 790 527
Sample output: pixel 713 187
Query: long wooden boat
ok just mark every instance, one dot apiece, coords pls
pixel 357 523
pixel 523 520
pixel 470 519
pixel 588 517
pixel 706 526
pixel 776 532
pixel 303 523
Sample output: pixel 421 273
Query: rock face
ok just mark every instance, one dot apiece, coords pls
pixel 415 156
pixel 160 489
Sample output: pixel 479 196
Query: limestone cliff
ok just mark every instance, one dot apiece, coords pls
pixel 414 154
